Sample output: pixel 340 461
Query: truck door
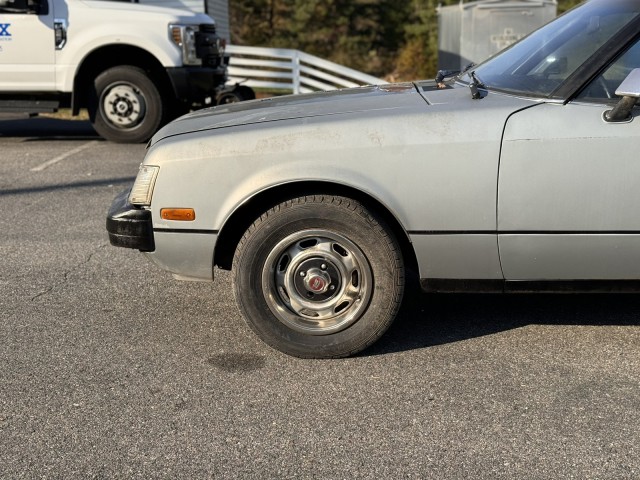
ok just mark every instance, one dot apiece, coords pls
pixel 27 46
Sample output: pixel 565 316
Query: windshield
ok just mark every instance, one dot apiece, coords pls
pixel 539 64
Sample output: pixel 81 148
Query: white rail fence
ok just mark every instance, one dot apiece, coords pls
pixel 291 70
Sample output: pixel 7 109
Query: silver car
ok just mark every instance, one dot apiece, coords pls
pixel 519 174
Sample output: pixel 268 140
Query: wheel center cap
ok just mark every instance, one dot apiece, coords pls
pixel 317 284
pixel 317 281
pixel 122 106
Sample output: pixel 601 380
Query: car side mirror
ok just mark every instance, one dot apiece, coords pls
pixel 629 90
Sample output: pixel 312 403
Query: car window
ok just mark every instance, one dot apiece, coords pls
pixel 540 63
pixel 603 88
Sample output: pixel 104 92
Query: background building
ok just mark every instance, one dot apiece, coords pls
pixel 472 32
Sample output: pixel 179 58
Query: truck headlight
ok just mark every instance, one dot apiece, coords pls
pixel 142 189
pixel 184 36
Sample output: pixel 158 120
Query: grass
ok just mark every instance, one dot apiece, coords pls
pixel 65 114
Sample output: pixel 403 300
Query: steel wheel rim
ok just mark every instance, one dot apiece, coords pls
pixel 123 105
pixel 317 282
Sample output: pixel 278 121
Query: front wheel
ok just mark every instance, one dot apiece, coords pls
pixel 319 277
pixel 125 105
pixel 239 94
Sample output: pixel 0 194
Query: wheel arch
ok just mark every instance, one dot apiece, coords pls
pixel 238 222
pixel 103 58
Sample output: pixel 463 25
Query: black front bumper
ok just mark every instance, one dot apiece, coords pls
pixel 129 226
pixel 194 84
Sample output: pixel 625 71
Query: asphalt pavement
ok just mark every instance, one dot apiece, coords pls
pixel 110 368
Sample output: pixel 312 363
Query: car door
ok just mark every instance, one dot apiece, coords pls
pixel 27 46
pixel 569 187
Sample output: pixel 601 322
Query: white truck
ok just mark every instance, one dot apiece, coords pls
pixel 133 67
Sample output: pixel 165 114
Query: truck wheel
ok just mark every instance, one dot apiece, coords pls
pixel 125 105
pixel 238 94
pixel 318 277
pixel 246 93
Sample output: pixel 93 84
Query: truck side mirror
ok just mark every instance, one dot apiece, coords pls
pixel 629 90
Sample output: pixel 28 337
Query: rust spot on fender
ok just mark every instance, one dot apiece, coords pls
pixel 396 87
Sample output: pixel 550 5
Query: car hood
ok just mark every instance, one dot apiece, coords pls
pixel 351 100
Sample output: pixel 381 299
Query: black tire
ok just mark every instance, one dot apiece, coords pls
pixel 125 105
pixel 246 93
pixel 318 277
pixel 238 94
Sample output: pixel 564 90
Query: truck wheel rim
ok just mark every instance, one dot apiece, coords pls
pixel 123 105
pixel 317 282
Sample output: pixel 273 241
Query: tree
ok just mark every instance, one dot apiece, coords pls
pixel 255 22
pixel 364 34
pixel 386 38
pixel 564 5
pixel 418 57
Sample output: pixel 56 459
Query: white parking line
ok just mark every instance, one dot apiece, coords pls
pixel 55 160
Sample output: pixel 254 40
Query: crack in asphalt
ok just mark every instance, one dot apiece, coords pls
pixel 66 273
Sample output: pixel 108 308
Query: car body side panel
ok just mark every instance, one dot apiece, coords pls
pixel 459 256
pixel 171 254
pixel 434 169
pixel 571 256
pixel 569 196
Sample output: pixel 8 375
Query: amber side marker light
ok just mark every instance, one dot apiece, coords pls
pixel 180 214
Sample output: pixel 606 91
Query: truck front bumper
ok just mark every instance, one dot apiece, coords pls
pixel 129 226
pixel 194 84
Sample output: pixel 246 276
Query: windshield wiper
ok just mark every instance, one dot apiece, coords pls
pixel 442 74
pixel 475 86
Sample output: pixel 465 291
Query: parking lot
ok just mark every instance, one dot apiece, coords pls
pixel 112 369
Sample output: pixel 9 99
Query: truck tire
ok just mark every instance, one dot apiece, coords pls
pixel 318 276
pixel 238 94
pixel 125 105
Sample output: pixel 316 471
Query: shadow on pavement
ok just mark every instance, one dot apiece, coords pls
pixel 42 128
pixel 115 181
pixel 434 319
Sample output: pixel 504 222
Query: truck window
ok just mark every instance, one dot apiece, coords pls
pixel 22 6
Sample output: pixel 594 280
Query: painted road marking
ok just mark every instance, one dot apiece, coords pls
pixel 59 158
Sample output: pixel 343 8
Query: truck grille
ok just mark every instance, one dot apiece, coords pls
pixel 212 61
pixel 209 46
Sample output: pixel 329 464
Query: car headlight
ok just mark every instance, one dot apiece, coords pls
pixel 142 189
pixel 184 36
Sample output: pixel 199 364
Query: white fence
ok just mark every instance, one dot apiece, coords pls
pixel 291 70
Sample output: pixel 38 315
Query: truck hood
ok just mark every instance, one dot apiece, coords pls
pixel 351 100
pixel 174 14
